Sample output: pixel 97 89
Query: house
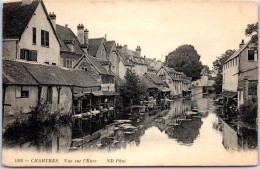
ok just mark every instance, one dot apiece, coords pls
pixel 134 58
pixel 71 48
pixel 123 64
pixel 27 85
pixel 97 48
pixel 153 64
pixel 112 56
pixel 28 33
pixel 240 72
pixel 173 79
pixel 155 85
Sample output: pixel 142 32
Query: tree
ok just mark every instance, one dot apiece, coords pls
pixel 252 31
pixel 185 59
pixel 217 65
pixel 133 91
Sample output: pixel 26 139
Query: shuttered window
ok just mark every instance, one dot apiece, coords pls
pixel 45 38
pixel 34 35
pixel 29 55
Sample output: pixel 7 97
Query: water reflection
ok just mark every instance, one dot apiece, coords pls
pixel 193 124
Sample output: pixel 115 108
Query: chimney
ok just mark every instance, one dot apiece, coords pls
pixel 80 34
pixel 86 36
pixel 53 19
pixel 26 2
pixel 125 46
pixel 242 44
pixel 66 25
pixel 138 50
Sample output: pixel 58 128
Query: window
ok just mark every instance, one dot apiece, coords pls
pixel 34 35
pixel 251 55
pixel 21 91
pixel 47 63
pixel 44 38
pixel 30 55
pixel 68 63
pixel 49 95
pixel 53 63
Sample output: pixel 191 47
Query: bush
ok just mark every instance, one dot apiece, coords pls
pixel 248 111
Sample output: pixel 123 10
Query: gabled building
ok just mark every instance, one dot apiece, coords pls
pixel 27 85
pixel 240 72
pixel 97 48
pixel 28 33
pixel 133 58
pixel 71 48
pixel 172 78
pixel 112 56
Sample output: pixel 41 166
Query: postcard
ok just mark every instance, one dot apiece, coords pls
pixel 129 83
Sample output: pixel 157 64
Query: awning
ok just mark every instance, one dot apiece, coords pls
pixel 78 95
pixel 107 93
pixel 97 93
pixel 229 94
pixel 164 89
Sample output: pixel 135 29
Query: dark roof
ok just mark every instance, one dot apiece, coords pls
pixel 154 77
pixel 126 61
pixel 16 17
pixel 104 62
pixel 46 74
pixel 70 55
pixel 148 82
pixel 93 61
pixel 94 45
pixel 64 33
pixel 16 73
pixel 109 45
pixel 81 78
pixel 97 65
pixel 23 73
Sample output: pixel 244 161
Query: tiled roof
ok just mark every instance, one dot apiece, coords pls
pixel 64 33
pixel 104 62
pixel 155 78
pixel 23 73
pixel 148 82
pixel 15 73
pixel 97 65
pixel 93 61
pixel 46 74
pixel 109 46
pixel 70 55
pixel 237 52
pixel 94 45
pixel 16 17
pixel 126 61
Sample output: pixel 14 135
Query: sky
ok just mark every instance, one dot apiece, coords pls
pixel 159 27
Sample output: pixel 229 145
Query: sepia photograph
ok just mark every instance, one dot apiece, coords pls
pixel 100 83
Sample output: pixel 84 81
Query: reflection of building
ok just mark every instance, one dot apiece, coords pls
pixel 240 73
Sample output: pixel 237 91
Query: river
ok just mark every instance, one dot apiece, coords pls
pixel 191 131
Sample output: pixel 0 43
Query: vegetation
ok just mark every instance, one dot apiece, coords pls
pixel 217 65
pixel 36 127
pixel 252 31
pixel 133 91
pixel 185 59
pixel 248 111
